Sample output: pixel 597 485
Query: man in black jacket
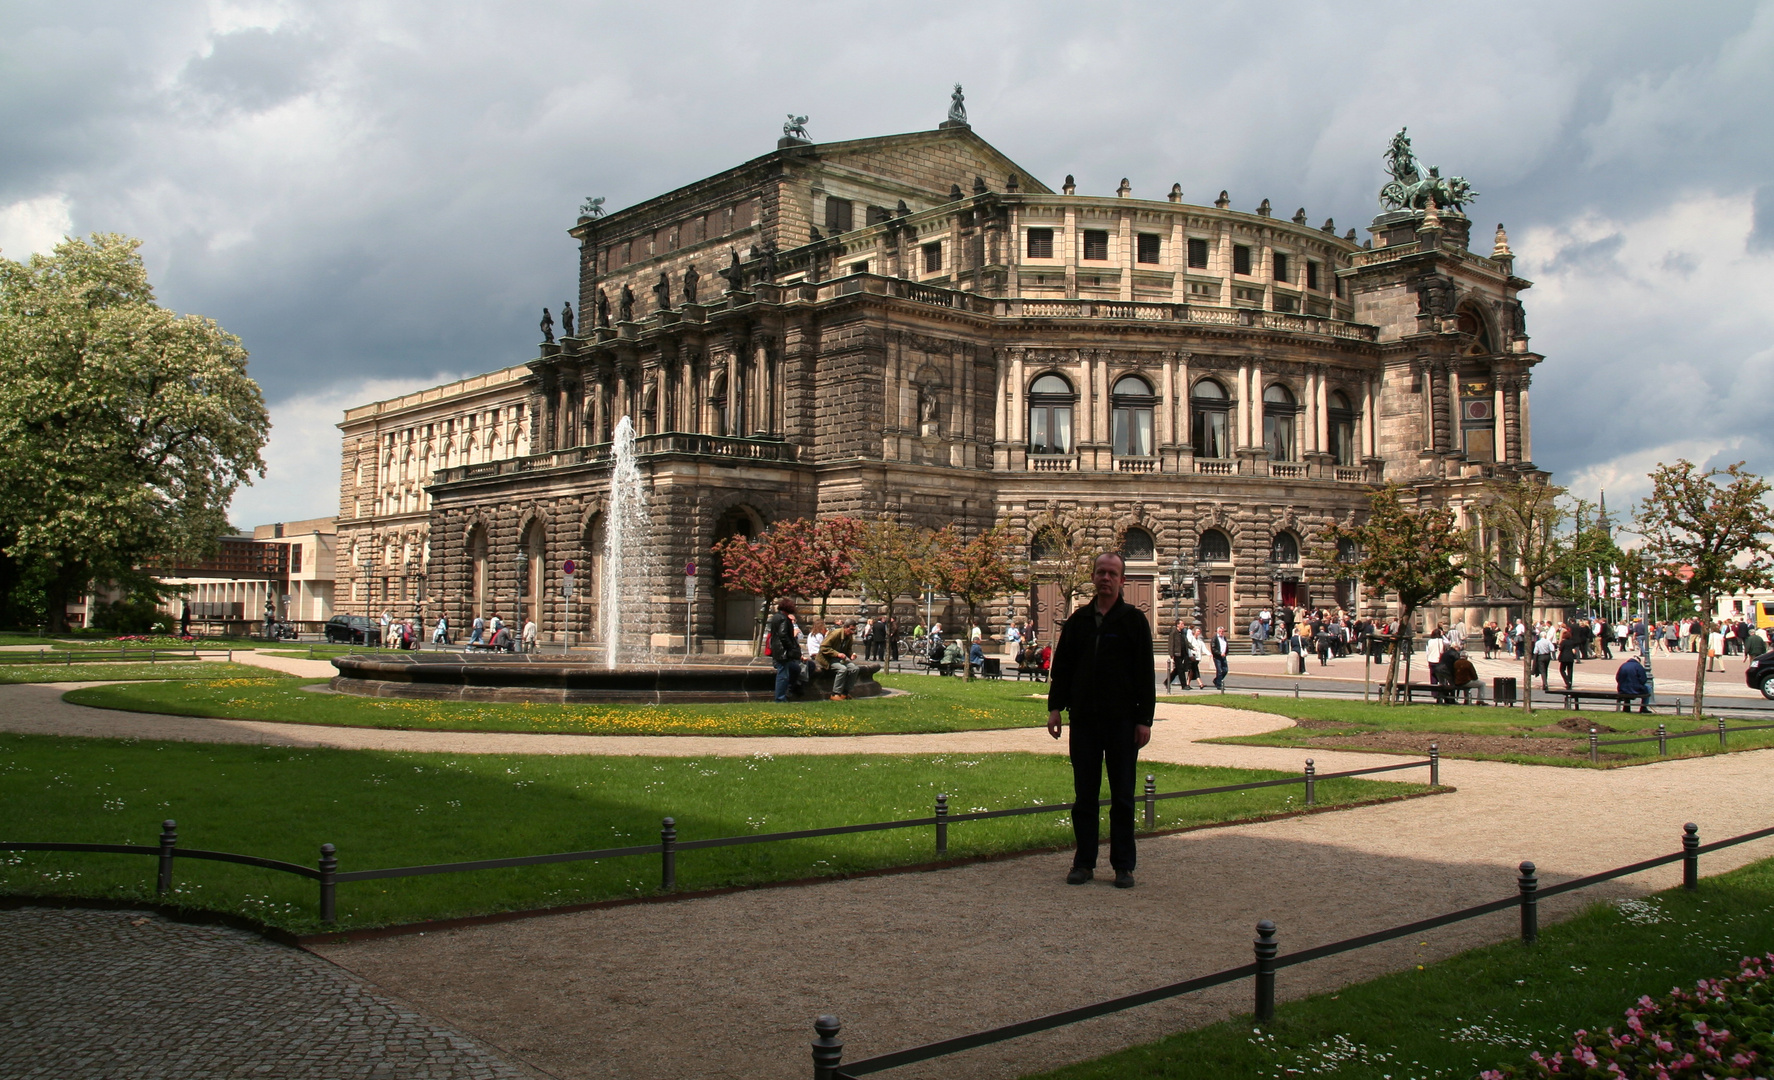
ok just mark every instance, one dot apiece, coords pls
pixel 1102 673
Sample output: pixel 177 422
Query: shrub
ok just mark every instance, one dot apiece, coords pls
pixel 1721 1028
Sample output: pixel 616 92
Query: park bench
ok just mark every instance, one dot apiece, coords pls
pixel 1472 693
pixel 1574 699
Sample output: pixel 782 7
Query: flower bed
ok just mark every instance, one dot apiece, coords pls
pixel 1720 1028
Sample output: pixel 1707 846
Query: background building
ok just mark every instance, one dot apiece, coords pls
pixel 289 564
pixel 912 326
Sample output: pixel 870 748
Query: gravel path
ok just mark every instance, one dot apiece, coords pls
pixel 90 995
pixel 727 986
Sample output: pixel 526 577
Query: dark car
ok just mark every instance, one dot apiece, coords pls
pixel 1761 674
pixel 353 630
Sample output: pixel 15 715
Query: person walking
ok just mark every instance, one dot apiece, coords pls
pixel 1568 651
pixel 785 648
pixel 1195 648
pixel 477 632
pixel 441 635
pixel 1221 648
pixel 1102 676
pixel 530 635
pixel 1179 656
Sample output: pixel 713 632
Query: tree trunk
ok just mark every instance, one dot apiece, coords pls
pixel 1388 693
pixel 1700 665
pixel 967 646
pixel 56 600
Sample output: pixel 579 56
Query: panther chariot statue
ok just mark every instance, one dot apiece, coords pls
pixel 796 128
pixel 1409 189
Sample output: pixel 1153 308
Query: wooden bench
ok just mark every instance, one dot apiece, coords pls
pixel 1574 699
pixel 1472 692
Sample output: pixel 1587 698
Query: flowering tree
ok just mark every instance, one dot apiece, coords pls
pixel 773 566
pixel 1063 549
pixel 973 571
pixel 1412 552
pixel 1708 538
pixel 831 547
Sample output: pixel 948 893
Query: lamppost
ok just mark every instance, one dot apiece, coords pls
pixel 1181 569
pixel 369 593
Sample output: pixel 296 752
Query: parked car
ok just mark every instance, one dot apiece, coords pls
pixel 353 630
pixel 1760 675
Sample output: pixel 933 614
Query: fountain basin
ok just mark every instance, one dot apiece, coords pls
pixel 554 679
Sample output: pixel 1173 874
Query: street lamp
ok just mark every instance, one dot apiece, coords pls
pixel 522 559
pixel 1181 569
pixel 368 564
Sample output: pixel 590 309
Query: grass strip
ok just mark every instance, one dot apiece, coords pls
pixel 219 675
pixel 1476 732
pixel 388 809
pixel 930 704
pixel 1487 1008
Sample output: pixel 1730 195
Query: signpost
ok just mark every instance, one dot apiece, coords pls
pixel 689 604
pixel 567 569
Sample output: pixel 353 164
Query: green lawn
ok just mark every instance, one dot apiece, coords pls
pixel 1482 1009
pixel 387 809
pixel 932 704
pixel 220 676
pixel 1476 732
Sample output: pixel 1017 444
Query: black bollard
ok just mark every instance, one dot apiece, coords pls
pixel 169 839
pixel 1530 903
pixel 828 1049
pixel 1721 733
pixel 1595 749
pixel 942 824
pixel 668 855
pixel 1311 783
pixel 1434 765
pixel 1662 740
pixel 1151 801
pixel 1266 948
pixel 1690 856
pixel 329 865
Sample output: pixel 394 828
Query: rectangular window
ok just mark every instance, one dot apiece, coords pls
pixel 1210 433
pixel 932 258
pixel 1096 245
pixel 1286 303
pixel 1198 254
pixel 1149 248
pixel 1281 267
pixel 1311 275
pixel 1040 243
pixel 859 268
pixel 1240 259
pixel 840 215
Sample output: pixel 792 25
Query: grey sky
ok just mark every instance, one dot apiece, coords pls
pixel 376 195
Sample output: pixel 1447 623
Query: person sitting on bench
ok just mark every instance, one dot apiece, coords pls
pixel 1466 678
pixel 1631 679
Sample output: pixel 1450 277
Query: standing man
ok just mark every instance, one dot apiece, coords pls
pixel 1258 631
pixel 785 650
pixel 1102 674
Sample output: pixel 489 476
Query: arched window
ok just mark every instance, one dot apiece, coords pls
pixel 1043 544
pixel 1477 328
pixel 1279 413
pixel 1215 546
pixel 477 572
pixel 1137 546
pixel 1347 553
pixel 1284 550
pixel 1341 421
pixel 1050 415
pixel 1132 400
pixel 717 402
pixel 529 587
pixel 1210 404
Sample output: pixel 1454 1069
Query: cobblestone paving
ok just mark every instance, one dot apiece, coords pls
pixel 98 994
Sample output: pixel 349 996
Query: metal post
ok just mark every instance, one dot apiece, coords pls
pixel 942 824
pixel 668 855
pixel 169 839
pixel 828 1049
pixel 1266 947
pixel 1721 733
pixel 1311 783
pixel 1530 903
pixel 1690 856
pixel 1663 740
pixel 1151 801
pixel 1296 691
pixel 1595 751
pixel 329 865
pixel 1434 765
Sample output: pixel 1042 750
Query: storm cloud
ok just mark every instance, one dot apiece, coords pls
pixel 376 196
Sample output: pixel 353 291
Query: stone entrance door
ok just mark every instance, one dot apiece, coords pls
pixel 1050 610
pixel 1216 606
pixel 1138 592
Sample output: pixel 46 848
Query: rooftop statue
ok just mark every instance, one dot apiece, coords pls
pixel 958 106
pixel 592 208
pixel 547 327
pixel 1409 189
pixel 796 128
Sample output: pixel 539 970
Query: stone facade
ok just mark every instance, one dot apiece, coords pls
pixel 913 327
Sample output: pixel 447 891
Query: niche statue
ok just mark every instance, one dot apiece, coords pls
pixel 625 305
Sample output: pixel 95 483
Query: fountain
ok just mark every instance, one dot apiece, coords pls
pixel 557 677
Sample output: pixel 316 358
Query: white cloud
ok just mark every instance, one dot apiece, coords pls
pixel 34 226
pixel 302 457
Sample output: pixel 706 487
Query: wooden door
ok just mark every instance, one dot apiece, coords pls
pixel 1138 592
pixel 1216 607
pixel 1050 611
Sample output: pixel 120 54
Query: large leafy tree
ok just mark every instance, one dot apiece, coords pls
pixel 1708 533
pixel 1413 552
pixel 1526 543
pixel 831 546
pixel 974 570
pixel 127 427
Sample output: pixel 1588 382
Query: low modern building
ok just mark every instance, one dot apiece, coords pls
pixel 913 326
pixel 287 564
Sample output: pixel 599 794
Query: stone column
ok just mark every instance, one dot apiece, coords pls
pixel 1019 413
pixel 1527 426
pixel 1241 437
pixel 1166 433
pixel 1453 407
pixel 1101 385
pixel 1255 438
pixel 1426 379
pixel 1321 402
pixel 1000 398
pixel 1181 414
pixel 1369 428
pixel 1084 413
pixel 1068 235
pixel 1129 255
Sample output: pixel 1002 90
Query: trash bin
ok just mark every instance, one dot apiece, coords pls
pixel 1503 690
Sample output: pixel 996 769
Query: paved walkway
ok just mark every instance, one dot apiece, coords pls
pixel 727 986
pixel 87 995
